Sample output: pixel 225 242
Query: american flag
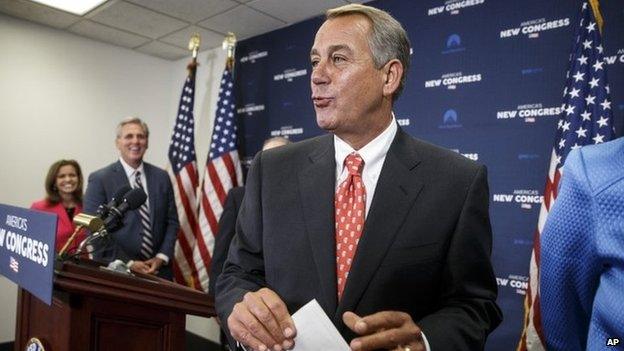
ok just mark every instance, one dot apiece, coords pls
pixel 223 167
pixel 182 170
pixel 14 264
pixel 586 118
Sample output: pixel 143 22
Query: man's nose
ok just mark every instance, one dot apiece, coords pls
pixel 320 74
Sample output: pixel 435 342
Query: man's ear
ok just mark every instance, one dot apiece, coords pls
pixel 393 72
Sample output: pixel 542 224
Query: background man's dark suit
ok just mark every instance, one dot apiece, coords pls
pixel 102 186
pixel 425 249
pixel 227 229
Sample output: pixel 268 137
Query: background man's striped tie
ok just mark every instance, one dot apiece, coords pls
pixel 147 246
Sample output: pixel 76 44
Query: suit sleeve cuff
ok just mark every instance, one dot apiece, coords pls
pixel 163 257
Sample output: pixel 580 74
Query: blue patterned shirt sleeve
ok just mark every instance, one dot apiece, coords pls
pixel 582 252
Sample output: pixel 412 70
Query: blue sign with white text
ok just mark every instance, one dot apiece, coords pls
pixel 27 241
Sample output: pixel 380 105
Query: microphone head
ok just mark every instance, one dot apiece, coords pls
pixel 135 198
pixel 119 195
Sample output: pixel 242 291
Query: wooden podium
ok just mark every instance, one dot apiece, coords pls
pixel 100 310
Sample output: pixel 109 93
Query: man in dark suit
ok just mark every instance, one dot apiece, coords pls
pixel 147 237
pixel 227 222
pixel 225 234
pixel 390 234
pixel 227 229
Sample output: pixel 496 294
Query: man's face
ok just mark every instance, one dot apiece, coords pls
pixel 132 144
pixel 346 87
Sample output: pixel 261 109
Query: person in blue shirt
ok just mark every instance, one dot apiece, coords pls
pixel 582 252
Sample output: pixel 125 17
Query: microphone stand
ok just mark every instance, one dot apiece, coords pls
pixel 61 253
pixel 99 234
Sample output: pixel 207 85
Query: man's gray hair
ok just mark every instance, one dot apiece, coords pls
pixel 132 120
pixel 388 39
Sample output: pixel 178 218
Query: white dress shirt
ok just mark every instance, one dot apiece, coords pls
pixel 374 155
pixel 131 174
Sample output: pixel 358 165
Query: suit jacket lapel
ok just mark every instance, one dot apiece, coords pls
pixel 394 195
pixel 316 184
pixel 120 176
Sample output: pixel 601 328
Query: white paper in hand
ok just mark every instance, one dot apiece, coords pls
pixel 315 331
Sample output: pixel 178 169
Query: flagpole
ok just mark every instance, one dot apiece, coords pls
pixel 183 173
pixel 223 169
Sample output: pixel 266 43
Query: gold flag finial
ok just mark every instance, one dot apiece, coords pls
pixel 194 44
pixel 595 5
pixel 229 44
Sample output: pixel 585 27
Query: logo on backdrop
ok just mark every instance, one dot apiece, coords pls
pixel 452 80
pixel 253 56
pixel 524 197
pixel 519 283
pixel 14 264
pixel 469 155
pixel 528 157
pixel 286 131
pixel 453 44
pixel 450 120
pixel 403 122
pixel 617 58
pixel 533 28
pixel 250 109
pixel 453 6
pixel 529 112
pixel 290 74
pixel 532 70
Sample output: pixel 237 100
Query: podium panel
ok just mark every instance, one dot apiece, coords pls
pixel 95 309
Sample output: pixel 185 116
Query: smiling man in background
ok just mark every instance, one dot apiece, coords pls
pixel 147 237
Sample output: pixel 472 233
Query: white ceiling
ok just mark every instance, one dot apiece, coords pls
pixel 163 28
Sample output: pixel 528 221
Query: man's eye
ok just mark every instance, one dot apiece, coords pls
pixel 338 59
pixel 314 63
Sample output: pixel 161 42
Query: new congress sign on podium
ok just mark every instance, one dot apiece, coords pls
pixel 27 249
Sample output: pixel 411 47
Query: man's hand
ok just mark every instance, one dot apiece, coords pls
pixel 154 265
pixel 262 322
pixel 389 330
pixel 140 267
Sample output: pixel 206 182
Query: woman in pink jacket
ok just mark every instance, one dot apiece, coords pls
pixel 63 186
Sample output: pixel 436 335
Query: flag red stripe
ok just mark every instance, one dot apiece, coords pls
pixel 177 274
pixel 537 319
pixel 229 165
pixel 190 215
pixel 188 209
pixel 187 251
pixel 188 255
pixel 216 182
pixel 209 214
pixel 556 184
pixel 192 174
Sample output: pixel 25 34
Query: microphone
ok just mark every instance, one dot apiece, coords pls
pixel 118 196
pixel 132 200
pixel 96 223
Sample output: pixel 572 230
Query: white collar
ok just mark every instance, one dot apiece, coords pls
pixel 130 171
pixel 373 151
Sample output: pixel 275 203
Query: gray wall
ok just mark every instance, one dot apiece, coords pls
pixel 61 96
